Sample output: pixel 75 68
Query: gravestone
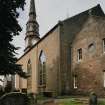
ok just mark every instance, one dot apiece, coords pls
pixel 93 99
pixel 14 98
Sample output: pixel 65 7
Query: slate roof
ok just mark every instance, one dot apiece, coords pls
pixel 96 10
pixel 73 25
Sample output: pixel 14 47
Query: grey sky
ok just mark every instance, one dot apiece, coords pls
pixel 49 12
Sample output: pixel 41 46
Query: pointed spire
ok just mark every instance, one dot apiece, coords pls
pixel 32 27
pixel 32 8
pixel 32 24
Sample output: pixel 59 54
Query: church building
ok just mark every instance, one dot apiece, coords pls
pixel 69 59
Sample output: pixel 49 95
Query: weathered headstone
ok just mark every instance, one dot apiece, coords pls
pixel 93 99
pixel 14 99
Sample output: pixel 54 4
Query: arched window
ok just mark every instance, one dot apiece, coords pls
pixel 29 72
pixel 91 48
pixel 42 69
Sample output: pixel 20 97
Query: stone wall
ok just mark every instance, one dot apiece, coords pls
pixel 89 70
pixel 50 45
pixel 68 30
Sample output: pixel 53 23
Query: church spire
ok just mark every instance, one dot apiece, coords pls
pixel 32 7
pixel 32 28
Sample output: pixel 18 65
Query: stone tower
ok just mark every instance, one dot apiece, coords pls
pixel 32 28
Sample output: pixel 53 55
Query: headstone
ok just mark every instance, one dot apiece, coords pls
pixel 93 99
pixel 14 98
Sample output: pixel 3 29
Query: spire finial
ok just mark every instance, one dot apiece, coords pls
pixel 32 7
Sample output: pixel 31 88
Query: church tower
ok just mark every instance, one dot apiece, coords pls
pixel 32 28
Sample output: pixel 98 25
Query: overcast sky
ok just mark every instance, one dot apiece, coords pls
pixel 49 12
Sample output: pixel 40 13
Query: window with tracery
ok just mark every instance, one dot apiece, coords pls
pixel 42 69
pixel 29 72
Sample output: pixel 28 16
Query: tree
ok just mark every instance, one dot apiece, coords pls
pixel 9 28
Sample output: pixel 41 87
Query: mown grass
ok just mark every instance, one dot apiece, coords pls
pixel 101 102
pixel 41 97
pixel 70 102
pixel 76 102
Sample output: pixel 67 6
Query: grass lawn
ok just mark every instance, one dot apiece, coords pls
pixel 101 102
pixel 70 102
pixel 41 97
pixel 78 102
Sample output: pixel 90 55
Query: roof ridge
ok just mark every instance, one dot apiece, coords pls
pixel 88 12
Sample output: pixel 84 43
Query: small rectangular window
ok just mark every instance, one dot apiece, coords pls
pixel 104 78
pixel 75 82
pixel 79 51
pixel 104 45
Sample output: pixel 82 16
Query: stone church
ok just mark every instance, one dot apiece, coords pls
pixel 69 59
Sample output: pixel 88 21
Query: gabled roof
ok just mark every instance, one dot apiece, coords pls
pixel 75 23
pixel 95 11
pixel 72 26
